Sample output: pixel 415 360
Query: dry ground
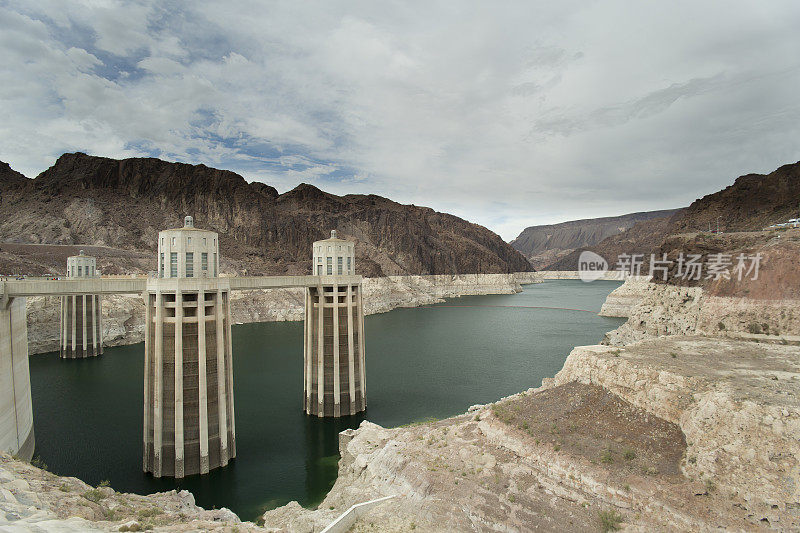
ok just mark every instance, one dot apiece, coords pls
pixel 573 458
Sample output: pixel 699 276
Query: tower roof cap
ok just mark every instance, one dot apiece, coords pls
pixel 334 238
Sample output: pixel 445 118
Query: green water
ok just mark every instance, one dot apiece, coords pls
pixel 423 362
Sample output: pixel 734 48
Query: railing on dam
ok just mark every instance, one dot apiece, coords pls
pixel 116 285
pixel 65 287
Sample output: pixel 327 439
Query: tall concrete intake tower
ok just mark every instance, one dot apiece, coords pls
pixel 189 423
pixel 334 376
pixel 81 315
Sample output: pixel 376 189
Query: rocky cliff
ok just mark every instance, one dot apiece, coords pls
pixel 735 402
pixel 122 204
pixel 642 238
pixel 545 244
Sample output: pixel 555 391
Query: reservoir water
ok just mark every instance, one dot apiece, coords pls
pixel 423 362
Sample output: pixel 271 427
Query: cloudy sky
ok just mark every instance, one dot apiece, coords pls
pixel 505 113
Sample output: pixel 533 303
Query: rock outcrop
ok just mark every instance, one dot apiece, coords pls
pixel 655 310
pixel 87 200
pixel 623 299
pixel 32 499
pixel 737 402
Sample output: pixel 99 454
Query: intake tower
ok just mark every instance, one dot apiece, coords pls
pixel 189 423
pixel 334 376
pixel 81 315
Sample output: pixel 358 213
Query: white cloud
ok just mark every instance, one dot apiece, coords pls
pixel 507 114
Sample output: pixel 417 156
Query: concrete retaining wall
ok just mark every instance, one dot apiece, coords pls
pixel 349 517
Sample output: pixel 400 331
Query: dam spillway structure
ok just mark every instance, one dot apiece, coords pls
pixel 189 425
pixel 334 378
pixel 16 407
pixel 81 314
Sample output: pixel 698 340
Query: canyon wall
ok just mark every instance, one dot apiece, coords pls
pixel 544 245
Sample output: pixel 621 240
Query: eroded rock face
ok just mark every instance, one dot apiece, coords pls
pixel 563 238
pixel 737 402
pixel 656 310
pixel 557 458
pixel 624 298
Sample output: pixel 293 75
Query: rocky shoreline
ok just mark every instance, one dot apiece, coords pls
pixel 655 310
pixel 674 423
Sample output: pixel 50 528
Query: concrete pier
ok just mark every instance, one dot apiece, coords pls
pixel 81 315
pixel 334 377
pixel 16 409
pixel 189 420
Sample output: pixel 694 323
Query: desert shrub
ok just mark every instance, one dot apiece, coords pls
pixel 609 520
pixel 629 455
pixel 93 495
pixel 39 463
pixel 607 456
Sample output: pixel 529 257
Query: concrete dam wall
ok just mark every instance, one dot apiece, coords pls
pixel 16 409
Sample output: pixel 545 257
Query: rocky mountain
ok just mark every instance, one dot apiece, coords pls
pixel 10 176
pixel 121 205
pixel 544 245
pixel 643 238
pixel 744 210
pixel 753 202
